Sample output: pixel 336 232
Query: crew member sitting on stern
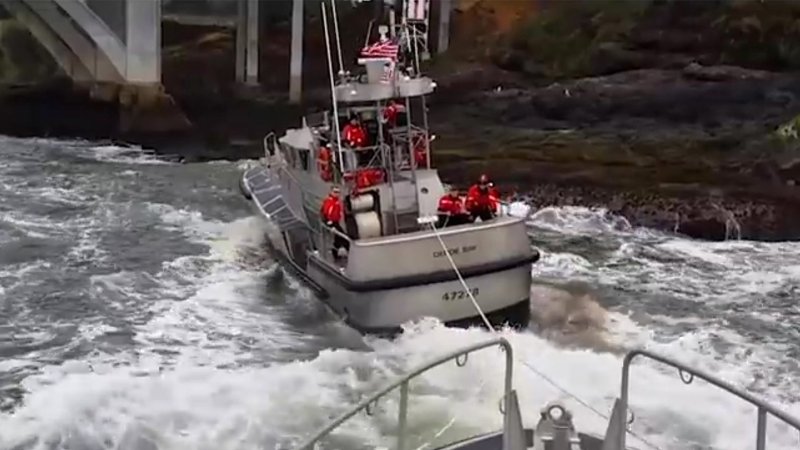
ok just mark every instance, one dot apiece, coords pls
pixel 451 210
pixel 331 213
pixel 482 199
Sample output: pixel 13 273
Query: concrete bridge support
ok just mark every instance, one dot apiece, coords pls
pixel 107 41
pixel 445 10
pixel 247 32
pixel 78 69
pixel 111 49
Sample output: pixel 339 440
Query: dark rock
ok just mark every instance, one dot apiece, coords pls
pixel 613 57
pixel 665 151
pixel 723 73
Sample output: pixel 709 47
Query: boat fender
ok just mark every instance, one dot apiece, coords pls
pixel 244 190
pixel 362 203
pixel 368 223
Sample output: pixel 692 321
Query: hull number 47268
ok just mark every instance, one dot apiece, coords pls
pixel 458 295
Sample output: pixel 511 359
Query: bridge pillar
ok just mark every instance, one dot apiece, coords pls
pixel 296 65
pixel 247 33
pixel 143 39
pixel 445 10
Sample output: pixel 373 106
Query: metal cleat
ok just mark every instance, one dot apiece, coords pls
pixel 555 430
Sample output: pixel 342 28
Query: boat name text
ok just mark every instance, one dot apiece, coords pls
pixel 455 251
pixel 459 295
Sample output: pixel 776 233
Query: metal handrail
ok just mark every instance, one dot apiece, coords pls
pixel 267 153
pixel 337 233
pixel 403 384
pixel 763 407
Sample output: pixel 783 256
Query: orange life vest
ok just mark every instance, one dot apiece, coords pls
pixel 324 164
pixel 366 177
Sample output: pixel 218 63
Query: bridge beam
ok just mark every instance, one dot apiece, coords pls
pixel 101 36
pixel 296 65
pixel 69 62
pixel 118 43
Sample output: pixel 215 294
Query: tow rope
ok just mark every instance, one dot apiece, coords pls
pixel 488 324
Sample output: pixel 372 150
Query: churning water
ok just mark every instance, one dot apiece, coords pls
pixel 138 310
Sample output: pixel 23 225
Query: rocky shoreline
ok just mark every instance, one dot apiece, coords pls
pixel 692 151
pixel 662 148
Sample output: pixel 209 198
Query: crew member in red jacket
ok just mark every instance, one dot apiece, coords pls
pixel 391 112
pixel 354 134
pixel 482 199
pixel 331 213
pixel 451 210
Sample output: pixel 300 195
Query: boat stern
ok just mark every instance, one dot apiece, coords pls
pixel 391 280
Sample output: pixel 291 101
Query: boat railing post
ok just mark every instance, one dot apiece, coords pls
pixel 427 133
pixel 761 429
pixel 402 417
pixel 688 374
pixel 410 137
pixel 623 400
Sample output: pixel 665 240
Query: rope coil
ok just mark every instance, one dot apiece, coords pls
pixel 524 363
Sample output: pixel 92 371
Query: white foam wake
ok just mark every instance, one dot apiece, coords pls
pixel 208 367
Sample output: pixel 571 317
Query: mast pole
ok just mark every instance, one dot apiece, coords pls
pixel 338 42
pixel 333 88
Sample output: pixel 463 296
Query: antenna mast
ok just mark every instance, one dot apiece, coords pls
pixel 338 38
pixel 333 88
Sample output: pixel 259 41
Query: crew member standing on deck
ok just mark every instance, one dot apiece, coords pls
pixel 482 199
pixel 451 210
pixel 331 213
pixel 354 134
pixel 391 112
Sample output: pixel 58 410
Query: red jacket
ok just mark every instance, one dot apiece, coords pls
pixel 331 210
pixel 479 200
pixel 390 114
pixel 420 154
pixel 450 204
pixel 354 135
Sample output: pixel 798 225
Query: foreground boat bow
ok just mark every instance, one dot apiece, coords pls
pixel 555 429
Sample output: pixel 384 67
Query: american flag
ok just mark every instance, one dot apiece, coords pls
pixel 386 50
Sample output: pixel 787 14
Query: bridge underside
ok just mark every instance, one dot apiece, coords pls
pixel 114 41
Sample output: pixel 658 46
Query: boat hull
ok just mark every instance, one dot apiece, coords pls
pixel 398 279
pixel 503 296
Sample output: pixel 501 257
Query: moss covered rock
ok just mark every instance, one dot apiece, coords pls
pixel 598 37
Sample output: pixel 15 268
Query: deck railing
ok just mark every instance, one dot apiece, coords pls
pixel 459 355
pixel 687 375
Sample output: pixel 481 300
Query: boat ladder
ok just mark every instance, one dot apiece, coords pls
pixel 267 193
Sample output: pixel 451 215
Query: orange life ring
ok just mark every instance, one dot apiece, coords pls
pixel 366 177
pixel 324 164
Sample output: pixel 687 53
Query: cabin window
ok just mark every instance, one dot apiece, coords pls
pixel 303 159
pixel 288 154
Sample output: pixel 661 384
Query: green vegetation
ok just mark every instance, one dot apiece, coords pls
pixel 22 58
pixel 789 132
pixel 563 37
pixel 761 33
pixel 589 37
